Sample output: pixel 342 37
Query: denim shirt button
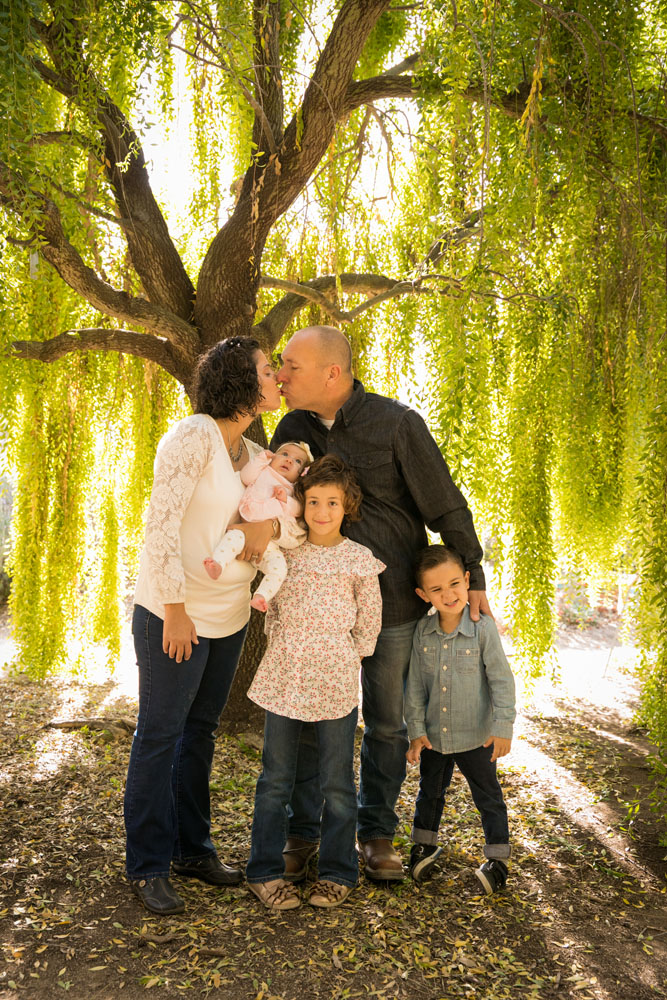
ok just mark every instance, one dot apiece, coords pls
pixel 445 646
pixel 444 666
pixel 444 730
pixel 444 689
pixel 444 708
pixel 467 652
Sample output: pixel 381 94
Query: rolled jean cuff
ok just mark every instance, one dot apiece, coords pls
pixel 419 836
pixel 502 852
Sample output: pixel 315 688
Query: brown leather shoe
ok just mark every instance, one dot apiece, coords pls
pixel 381 860
pixel 296 855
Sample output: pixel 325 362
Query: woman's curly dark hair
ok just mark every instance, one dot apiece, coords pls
pixel 330 470
pixel 226 383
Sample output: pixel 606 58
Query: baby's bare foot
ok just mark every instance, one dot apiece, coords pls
pixel 213 568
pixel 259 603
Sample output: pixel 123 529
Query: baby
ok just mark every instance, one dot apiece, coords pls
pixel 270 482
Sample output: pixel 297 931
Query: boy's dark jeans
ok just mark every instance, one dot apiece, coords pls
pixel 436 770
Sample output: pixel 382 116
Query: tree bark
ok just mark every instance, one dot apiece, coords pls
pixel 231 266
pixel 241 713
pixel 152 251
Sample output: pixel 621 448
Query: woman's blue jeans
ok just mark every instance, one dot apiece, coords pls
pixel 167 806
pixel 335 746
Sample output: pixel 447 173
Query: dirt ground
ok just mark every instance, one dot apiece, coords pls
pixel 583 915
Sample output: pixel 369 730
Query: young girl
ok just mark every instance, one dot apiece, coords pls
pixel 323 620
pixel 269 495
pixel 459 709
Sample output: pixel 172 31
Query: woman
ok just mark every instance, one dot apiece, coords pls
pixel 189 629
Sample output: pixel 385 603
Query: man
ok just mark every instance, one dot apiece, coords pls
pixel 406 484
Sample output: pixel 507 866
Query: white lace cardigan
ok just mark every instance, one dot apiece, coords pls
pixel 195 496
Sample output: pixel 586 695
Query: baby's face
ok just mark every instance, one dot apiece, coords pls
pixel 289 461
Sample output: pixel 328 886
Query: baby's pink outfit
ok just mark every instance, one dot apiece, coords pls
pixel 259 504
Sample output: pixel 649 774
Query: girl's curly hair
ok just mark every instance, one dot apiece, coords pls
pixel 330 470
pixel 226 383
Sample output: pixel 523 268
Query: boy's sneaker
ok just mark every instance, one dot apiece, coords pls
pixel 422 859
pixel 492 875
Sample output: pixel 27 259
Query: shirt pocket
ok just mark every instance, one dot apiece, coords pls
pixel 429 656
pixel 466 658
pixel 374 471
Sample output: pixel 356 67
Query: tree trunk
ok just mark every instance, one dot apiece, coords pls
pixel 240 713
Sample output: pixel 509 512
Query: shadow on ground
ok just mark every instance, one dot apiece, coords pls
pixel 583 915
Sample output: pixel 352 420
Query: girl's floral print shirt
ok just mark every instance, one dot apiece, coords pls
pixel 324 619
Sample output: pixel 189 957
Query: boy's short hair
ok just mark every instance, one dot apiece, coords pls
pixel 436 555
pixel 330 470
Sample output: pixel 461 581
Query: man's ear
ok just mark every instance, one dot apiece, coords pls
pixel 420 593
pixel 334 373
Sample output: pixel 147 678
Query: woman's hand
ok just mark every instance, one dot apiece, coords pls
pixel 258 534
pixel 178 633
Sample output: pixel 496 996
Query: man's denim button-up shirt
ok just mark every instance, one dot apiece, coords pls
pixel 405 484
pixel 460 688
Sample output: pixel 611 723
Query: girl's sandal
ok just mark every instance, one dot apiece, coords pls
pixel 277 894
pixel 326 893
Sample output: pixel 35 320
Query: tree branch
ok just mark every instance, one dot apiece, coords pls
pixel 141 345
pixel 308 292
pixel 266 131
pixel 512 105
pixel 467 229
pixel 56 248
pixel 270 187
pixel 380 289
pixel 61 135
pixel 377 88
pixel 268 81
pixel 378 286
pixel 408 63
pixel 153 254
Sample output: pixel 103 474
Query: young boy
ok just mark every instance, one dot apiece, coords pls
pixel 459 708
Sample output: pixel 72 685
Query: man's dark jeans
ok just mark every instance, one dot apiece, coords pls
pixel 167 808
pixel 436 770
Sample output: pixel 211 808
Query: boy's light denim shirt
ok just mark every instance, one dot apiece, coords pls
pixel 460 688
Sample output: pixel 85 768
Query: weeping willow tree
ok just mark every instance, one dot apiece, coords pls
pixel 474 191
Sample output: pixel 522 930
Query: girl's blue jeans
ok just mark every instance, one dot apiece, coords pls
pixel 167 807
pixel 335 749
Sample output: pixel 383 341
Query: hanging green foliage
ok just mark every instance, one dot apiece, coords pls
pixel 474 191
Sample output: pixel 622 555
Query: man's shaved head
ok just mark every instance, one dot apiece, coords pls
pixel 316 370
pixel 332 346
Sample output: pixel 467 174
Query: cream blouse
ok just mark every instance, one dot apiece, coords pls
pixel 195 496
